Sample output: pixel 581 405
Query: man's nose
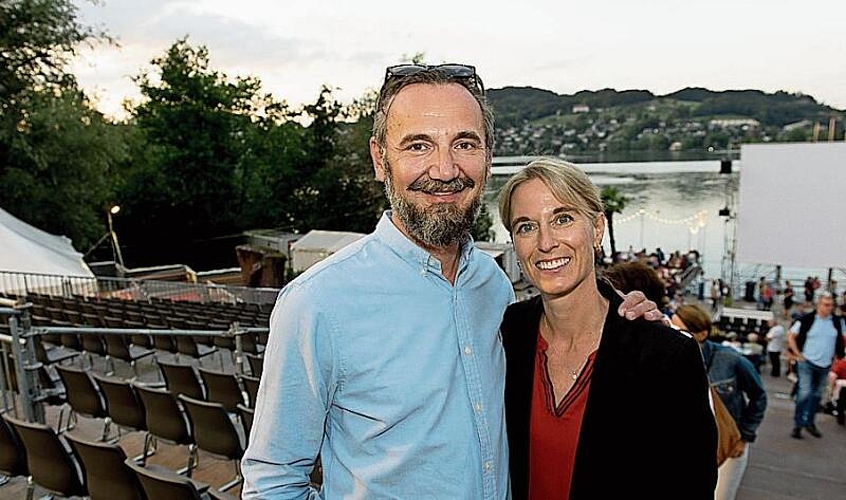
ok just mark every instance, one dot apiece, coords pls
pixel 444 168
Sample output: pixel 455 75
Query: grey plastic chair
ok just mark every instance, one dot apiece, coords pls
pixel 83 397
pixel 222 388
pixel 162 484
pixel 52 465
pixel 182 379
pixel 166 422
pixel 12 453
pixel 106 474
pixel 123 404
pixel 213 432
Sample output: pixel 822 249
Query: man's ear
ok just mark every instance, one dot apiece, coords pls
pixel 378 160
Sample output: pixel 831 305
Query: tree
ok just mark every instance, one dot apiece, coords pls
pixel 62 166
pixel 338 191
pixel 614 203
pixel 482 229
pixel 37 40
pixel 201 137
pixel 57 155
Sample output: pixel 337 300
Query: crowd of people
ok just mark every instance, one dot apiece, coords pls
pixel 812 346
pixel 669 267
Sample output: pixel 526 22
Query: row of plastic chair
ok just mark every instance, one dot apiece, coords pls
pixel 68 465
pixel 161 414
pixel 129 349
pixel 125 313
pixel 228 389
pixel 132 348
pixel 97 396
pixel 742 325
pixel 153 305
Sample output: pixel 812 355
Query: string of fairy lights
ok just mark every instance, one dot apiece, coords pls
pixel 693 222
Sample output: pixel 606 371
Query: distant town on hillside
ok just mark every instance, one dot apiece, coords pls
pixel 532 121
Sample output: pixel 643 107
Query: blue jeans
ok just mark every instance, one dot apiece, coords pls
pixel 812 381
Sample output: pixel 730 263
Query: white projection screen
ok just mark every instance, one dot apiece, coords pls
pixel 792 206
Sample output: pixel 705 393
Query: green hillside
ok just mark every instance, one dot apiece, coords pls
pixel 691 120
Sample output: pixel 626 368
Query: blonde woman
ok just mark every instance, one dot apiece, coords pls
pixel 589 394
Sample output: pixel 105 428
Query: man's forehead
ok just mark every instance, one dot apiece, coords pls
pixel 428 100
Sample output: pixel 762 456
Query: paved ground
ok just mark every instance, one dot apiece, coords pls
pixel 783 468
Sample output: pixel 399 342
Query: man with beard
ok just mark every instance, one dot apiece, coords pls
pixel 384 358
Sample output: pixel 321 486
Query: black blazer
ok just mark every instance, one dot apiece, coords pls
pixel 648 427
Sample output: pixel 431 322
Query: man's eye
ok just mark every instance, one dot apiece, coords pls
pixel 417 146
pixel 465 145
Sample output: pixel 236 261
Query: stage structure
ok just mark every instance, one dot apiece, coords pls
pixel 791 205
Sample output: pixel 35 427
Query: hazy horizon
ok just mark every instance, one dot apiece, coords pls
pixel 660 45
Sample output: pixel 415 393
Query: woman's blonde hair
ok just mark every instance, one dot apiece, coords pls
pixel 568 183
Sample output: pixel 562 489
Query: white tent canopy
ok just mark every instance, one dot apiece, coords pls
pixel 26 249
pixel 317 244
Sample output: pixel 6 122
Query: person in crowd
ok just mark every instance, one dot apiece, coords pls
pixel 776 336
pixel 733 341
pixel 787 300
pixel 739 387
pixel 753 350
pixel 810 289
pixel 767 295
pixel 633 276
pixel 814 340
pixel 568 415
pixel 384 359
pixel 837 391
pixel 715 294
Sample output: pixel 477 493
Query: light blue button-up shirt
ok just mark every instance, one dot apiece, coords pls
pixel 820 341
pixel 391 373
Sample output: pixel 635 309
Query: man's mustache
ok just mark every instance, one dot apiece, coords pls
pixel 430 186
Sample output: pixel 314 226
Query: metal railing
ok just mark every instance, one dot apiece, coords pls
pixel 22 284
pixel 17 351
pixel 19 366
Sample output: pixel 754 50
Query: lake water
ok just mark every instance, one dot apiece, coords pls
pixel 673 205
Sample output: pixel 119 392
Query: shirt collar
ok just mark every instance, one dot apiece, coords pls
pixel 410 251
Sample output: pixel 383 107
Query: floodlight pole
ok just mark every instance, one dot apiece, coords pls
pixel 116 255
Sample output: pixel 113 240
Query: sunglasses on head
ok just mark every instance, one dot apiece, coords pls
pixel 456 71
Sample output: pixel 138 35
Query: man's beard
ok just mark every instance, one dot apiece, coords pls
pixel 441 224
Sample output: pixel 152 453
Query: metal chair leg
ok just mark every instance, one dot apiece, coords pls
pixel 193 461
pixel 147 441
pixel 107 424
pixel 239 478
pixel 61 417
pixel 30 488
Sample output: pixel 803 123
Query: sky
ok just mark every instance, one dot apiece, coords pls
pixel 295 47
